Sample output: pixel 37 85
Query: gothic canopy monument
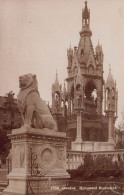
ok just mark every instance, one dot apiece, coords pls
pixel 78 108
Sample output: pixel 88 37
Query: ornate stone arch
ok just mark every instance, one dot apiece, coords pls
pixel 90 86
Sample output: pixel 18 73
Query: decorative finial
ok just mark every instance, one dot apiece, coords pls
pixel 86 14
pixel 98 41
pixel 85 4
pixel 109 68
pixel 56 76
pixel 56 80
pixel 110 77
pixel 64 88
pixel 75 48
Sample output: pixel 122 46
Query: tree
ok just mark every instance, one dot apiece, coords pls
pixel 5 145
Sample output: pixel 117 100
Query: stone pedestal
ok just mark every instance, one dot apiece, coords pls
pixel 36 151
pixel 76 146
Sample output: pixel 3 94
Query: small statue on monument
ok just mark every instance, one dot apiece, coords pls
pixel 33 109
pixel 11 96
pixel 79 97
pixel 57 103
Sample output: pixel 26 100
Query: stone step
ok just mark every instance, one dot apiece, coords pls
pixel 2 187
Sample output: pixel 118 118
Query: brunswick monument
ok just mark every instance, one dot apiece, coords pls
pixel 78 106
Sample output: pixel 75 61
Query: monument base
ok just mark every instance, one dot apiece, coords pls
pixel 92 146
pixel 46 185
pixel 17 186
pixel 37 154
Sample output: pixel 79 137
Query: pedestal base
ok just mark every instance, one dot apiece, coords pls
pixel 111 141
pixel 47 186
pixel 17 186
pixel 36 154
pixel 92 146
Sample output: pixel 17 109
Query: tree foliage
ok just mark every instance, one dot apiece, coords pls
pixel 5 145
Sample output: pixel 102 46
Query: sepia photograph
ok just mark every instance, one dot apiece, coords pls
pixel 61 97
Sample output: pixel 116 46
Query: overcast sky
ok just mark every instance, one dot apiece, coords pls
pixel 35 35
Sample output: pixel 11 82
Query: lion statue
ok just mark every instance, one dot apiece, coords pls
pixel 33 109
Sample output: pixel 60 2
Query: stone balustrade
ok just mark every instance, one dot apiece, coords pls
pixel 75 158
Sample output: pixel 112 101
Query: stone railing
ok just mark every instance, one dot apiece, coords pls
pixel 75 158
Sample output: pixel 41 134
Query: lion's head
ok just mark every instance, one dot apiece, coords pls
pixel 27 81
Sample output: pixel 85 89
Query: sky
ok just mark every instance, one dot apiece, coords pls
pixel 35 36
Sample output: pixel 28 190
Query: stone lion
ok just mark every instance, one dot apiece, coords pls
pixel 33 109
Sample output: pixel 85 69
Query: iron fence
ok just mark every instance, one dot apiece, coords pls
pixel 3 174
pixel 4 171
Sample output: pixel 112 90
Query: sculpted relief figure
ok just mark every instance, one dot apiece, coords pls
pixel 33 109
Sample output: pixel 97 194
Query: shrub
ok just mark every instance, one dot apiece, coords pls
pixel 98 166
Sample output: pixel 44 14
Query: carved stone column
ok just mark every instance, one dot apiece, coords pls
pixel 77 144
pixel 110 126
pixel 69 105
pixel 36 151
pixel 104 99
pixel 79 126
pixel 99 103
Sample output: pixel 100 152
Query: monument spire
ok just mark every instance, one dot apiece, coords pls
pixel 56 80
pixel 86 16
pixel 110 80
